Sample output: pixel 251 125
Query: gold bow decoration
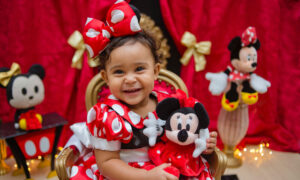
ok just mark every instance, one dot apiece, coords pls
pixel 76 41
pixel 197 49
pixel 6 76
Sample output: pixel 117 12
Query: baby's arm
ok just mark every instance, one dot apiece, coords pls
pixel 211 142
pixel 111 166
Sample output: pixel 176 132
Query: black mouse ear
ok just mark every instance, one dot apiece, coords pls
pixel 136 11
pixel 256 45
pixel 235 44
pixel 38 70
pixel 165 108
pixel 202 115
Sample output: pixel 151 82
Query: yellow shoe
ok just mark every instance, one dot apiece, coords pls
pixel 229 106
pixel 249 98
pixel 23 124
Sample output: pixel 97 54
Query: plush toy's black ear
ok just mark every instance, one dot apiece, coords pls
pixel 136 11
pixel 235 43
pixel 38 70
pixel 234 47
pixel 256 45
pixel 3 69
pixel 202 115
pixel 166 107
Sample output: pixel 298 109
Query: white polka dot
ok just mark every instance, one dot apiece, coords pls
pixel 118 109
pixel 88 20
pixel 127 138
pixel 231 76
pixel 91 116
pixel 112 97
pixel 241 74
pixel 235 71
pixel 94 167
pixel 134 24
pixel 208 178
pixel 89 173
pixel 158 151
pixel 178 157
pixel 44 144
pixel 105 33
pixel 74 171
pixel 169 159
pixel 104 117
pixel 117 16
pixel 110 110
pixel 112 29
pixel 134 117
pixel 95 131
pixel 118 1
pixel 89 49
pixel 86 157
pixel 95 177
pixel 92 33
pixel 116 125
pixel 30 148
pixel 80 164
pixel 103 106
pixel 128 126
pixel 154 93
pixel 141 163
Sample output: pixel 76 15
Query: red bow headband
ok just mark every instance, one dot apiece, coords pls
pixel 249 36
pixel 120 19
pixel 184 101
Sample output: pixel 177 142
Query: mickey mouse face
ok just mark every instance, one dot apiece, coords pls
pixel 183 128
pixel 26 91
pixel 248 60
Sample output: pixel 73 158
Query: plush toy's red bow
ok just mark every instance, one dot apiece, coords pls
pixel 121 20
pixel 184 101
pixel 249 36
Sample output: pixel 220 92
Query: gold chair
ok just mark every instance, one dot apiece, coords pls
pixel 168 81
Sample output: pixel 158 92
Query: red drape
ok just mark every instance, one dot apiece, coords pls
pixel 276 117
pixel 34 31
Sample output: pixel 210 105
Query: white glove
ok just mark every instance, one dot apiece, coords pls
pixel 218 82
pixel 258 83
pixel 201 142
pixel 153 128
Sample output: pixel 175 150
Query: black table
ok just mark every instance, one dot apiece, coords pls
pixel 10 134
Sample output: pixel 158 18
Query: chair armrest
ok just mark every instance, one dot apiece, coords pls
pixel 218 162
pixel 64 163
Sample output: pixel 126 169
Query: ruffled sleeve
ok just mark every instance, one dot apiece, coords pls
pixel 108 126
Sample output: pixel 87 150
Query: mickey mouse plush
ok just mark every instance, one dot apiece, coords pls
pixel 243 64
pixel 186 131
pixel 24 91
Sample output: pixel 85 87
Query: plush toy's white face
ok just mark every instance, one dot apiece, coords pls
pixel 183 128
pixel 27 92
pixel 248 60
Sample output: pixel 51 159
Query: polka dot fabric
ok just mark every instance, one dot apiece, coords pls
pixel 235 75
pixel 249 36
pixel 121 20
pixel 112 120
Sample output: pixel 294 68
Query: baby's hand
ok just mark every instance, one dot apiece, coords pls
pixel 211 142
pixel 158 173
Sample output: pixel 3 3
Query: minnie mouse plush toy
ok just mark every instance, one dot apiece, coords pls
pixel 24 91
pixel 240 72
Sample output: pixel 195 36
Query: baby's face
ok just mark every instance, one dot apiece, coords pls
pixel 130 74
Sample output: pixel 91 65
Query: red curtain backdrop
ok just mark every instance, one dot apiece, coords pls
pixel 276 116
pixel 34 31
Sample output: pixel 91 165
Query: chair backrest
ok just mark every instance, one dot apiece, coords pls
pixel 167 81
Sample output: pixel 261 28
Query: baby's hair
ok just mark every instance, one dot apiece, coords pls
pixel 141 37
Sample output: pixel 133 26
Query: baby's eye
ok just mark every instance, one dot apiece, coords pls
pixel 139 68
pixel 118 71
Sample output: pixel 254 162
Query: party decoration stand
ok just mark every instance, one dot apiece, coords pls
pixel 232 127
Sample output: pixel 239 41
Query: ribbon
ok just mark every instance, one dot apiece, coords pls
pixel 197 49
pixel 76 41
pixel 249 36
pixel 6 76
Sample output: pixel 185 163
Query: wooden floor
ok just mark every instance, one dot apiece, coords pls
pixel 277 166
